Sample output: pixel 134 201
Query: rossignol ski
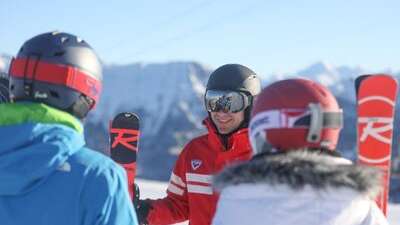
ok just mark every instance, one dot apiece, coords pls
pixel 124 140
pixel 376 99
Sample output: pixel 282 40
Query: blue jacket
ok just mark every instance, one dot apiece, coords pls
pixel 47 176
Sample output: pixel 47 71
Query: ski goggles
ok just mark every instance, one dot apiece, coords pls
pixel 313 118
pixel 226 101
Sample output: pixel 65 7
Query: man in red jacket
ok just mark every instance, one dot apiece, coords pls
pixel 228 99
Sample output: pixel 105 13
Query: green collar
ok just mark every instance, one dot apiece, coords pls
pixel 17 113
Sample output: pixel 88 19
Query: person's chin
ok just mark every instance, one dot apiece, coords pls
pixel 223 131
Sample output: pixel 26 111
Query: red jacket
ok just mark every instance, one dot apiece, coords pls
pixel 190 195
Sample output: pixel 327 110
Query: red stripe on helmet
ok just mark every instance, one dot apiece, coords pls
pixel 58 74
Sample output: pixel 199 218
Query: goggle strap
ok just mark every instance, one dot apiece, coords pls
pixel 30 69
pixel 28 84
pixel 316 123
pixel 333 119
pixel 316 120
pixel 247 100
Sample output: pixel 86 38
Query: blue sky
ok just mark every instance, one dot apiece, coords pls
pixel 268 36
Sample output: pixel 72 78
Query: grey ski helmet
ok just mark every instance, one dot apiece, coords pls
pixel 234 77
pixel 58 69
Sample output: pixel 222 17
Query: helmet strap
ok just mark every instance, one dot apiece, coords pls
pixel 29 82
pixel 81 107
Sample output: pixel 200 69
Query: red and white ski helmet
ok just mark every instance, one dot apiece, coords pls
pixel 292 114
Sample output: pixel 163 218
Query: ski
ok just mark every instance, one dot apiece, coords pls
pixel 376 99
pixel 124 143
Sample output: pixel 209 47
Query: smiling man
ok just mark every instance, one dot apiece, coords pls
pixel 229 97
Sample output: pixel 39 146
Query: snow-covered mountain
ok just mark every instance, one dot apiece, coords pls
pixel 169 100
pixel 4 62
pixel 338 79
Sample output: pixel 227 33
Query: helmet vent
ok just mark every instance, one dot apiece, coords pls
pixel 61 53
pixel 64 39
pixel 54 94
pixel 314 138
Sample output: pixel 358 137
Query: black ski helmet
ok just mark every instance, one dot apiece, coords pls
pixel 236 77
pixel 58 69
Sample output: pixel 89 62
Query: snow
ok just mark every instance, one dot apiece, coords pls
pixel 394 214
pixel 153 190
pixel 198 86
pixel 337 79
pixel 4 63
pixel 184 106
pixel 156 189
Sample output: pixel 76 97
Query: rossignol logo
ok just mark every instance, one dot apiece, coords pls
pixel 125 137
pixel 196 163
pixel 371 129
